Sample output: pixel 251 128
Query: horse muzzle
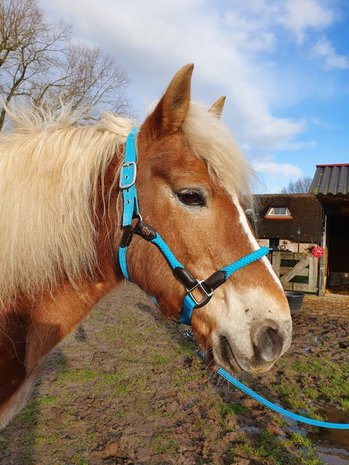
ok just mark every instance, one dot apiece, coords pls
pixel 267 342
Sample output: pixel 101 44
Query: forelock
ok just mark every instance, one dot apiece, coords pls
pixel 212 142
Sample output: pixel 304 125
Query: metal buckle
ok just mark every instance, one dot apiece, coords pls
pixel 124 183
pixel 206 296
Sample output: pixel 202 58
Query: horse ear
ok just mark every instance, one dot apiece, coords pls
pixel 218 106
pixel 173 107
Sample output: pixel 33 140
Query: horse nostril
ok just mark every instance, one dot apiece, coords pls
pixel 268 343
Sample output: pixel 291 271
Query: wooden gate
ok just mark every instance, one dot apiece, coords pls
pixel 296 271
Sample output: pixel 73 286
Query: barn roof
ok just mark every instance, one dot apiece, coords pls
pixel 331 180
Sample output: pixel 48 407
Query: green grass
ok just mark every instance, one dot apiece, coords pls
pixel 78 460
pixel 184 377
pixel 48 401
pixel 312 379
pixel 79 375
pixel 231 409
pixel 162 444
pixel 186 348
pixel 109 379
pixel 111 333
pixel 46 440
pixel 30 412
pixel 274 450
pixel 344 404
pixel 307 451
pixel 118 383
pixel 156 359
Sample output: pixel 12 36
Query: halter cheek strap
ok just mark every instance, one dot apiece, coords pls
pixel 198 292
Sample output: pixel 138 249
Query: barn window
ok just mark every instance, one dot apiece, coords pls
pixel 278 213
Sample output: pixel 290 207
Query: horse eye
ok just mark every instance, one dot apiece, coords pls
pixel 191 197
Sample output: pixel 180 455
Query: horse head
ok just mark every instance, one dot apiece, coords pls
pixel 190 181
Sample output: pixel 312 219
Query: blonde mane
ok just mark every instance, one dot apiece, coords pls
pixel 49 172
pixel 50 167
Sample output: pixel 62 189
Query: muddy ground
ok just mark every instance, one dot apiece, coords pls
pixel 127 388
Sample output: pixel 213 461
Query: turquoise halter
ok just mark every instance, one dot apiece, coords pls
pixel 203 288
pixel 130 212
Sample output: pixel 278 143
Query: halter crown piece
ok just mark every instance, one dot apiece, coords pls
pixel 203 288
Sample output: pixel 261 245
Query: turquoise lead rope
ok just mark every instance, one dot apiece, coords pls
pixel 277 408
pixel 131 211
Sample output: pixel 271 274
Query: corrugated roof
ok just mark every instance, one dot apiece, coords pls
pixel 331 179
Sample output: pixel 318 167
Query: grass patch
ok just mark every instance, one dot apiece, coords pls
pixel 278 451
pixel 181 377
pixel 30 413
pixel 307 451
pixel 109 379
pixel 158 359
pixel 273 448
pixel 231 409
pixel 162 444
pixel 116 383
pixel 46 440
pixel 312 379
pixel 111 333
pixel 80 375
pixel 78 460
pixel 186 348
pixel 344 404
pixel 48 401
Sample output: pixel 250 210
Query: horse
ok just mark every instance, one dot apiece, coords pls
pixel 60 215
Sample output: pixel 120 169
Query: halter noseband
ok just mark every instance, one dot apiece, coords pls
pixel 203 289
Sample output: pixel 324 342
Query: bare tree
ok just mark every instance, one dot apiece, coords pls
pixel 86 76
pixel 301 185
pixel 37 61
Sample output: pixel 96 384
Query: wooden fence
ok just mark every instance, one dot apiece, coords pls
pixel 297 271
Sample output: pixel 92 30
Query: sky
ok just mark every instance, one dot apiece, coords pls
pixel 283 65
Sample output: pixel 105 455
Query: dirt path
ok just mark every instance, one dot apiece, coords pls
pixel 126 388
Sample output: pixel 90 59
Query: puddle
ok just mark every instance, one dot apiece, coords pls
pixel 332 444
pixel 334 456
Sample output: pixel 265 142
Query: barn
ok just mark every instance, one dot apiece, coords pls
pixel 288 221
pixel 291 225
pixel 331 187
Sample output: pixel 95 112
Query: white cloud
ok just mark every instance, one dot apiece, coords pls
pixel 324 49
pixel 272 176
pixel 270 132
pixel 302 15
pixel 284 170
